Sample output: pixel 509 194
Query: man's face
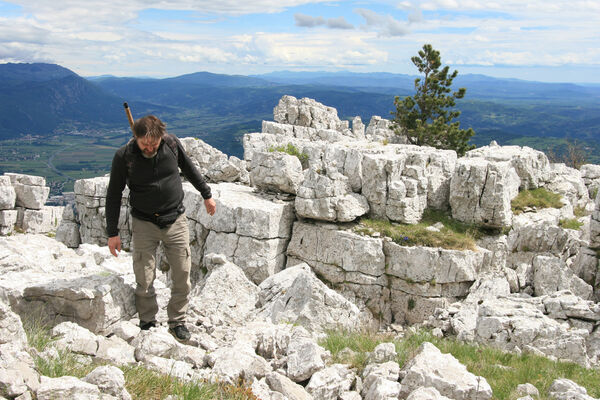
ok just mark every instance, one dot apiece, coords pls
pixel 149 146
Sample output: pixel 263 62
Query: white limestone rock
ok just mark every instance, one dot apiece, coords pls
pixel 565 389
pixel 75 338
pixel 443 266
pixel 8 220
pixel 307 112
pixel 211 162
pixel 288 388
pixel 380 381
pixel 328 197
pixel 513 322
pixel 68 233
pixel 532 166
pixel 241 211
pixel 358 128
pixel 380 129
pixel 426 393
pixel 230 364
pixel 110 380
pixel 304 357
pixel 551 274
pixel 8 195
pixel 68 387
pixel 276 171
pixel 295 295
pixel 431 368
pixel 569 183
pixel 18 373
pixel 591 177
pixel 595 225
pixel 527 389
pixel 11 328
pixel 32 197
pixel 481 192
pixel 43 220
pixel 29 180
pixel 227 296
pixel 382 353
pixel 330 382
pixel 94 302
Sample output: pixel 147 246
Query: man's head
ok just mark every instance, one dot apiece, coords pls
pixel 148 132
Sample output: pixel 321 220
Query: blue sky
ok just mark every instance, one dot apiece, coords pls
pixel 552 40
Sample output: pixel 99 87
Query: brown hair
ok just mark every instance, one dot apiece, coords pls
pixel 150 127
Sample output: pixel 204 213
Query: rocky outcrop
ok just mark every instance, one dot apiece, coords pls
pixel 22 199
pixel 285 258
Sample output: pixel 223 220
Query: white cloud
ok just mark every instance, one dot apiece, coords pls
pixel 386 25
pixel 307 21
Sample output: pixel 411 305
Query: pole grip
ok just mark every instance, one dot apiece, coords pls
pixel 129 116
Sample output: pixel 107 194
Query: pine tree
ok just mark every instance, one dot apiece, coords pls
pixel 427 117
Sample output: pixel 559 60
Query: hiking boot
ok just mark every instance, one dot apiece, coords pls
pixel 180 332
pixel 147 325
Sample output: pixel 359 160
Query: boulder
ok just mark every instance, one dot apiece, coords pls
pixel 307 112
pixel 288 388
pixel 213 163
pixel 276 171
pixel 513 322
pixel 431 368
pixel 68 387
pixel 551 274
pixel 532 166
pixel 380 381
pixel 304 357
pixel 8 195
pixel 328 197
pixel 590 173
pixel 11 328
pixel 230 364
pixel 110 380
pixel 226 296
pixel 330 382
pixel 565 389
pixel 569 183
pixel 94 302
pixel 481 192
pixel 595 225
pixel 43 220
pixel 426 393
pixel 18 373
pixel 8 220
pixel 296 296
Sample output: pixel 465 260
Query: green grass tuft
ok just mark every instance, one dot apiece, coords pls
pixel 536 198
pixel 572 223
pixel 502 370
pixel 293 151
pixel 454 235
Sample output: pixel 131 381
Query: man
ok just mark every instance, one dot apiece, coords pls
pixel 149 164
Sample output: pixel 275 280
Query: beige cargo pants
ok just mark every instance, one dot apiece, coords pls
pixel 175 238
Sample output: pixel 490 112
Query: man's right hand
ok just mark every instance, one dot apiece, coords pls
pixel 114 245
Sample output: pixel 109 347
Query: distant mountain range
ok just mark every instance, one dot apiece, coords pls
pixel 44 99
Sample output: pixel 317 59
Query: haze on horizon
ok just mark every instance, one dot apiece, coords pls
pixel 549 41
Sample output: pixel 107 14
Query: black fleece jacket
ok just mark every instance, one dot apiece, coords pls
pixel 154 183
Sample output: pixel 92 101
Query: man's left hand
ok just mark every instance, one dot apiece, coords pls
pixel 211 206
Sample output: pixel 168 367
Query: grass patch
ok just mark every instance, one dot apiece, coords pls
pixel 293 151
pixel 141 383
pixel 536 199
pixel 360 343
pixel 455 235
pixel 502 370
pixel 144 384
pixel 571 223
pixel 580 212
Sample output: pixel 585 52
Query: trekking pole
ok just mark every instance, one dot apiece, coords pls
pixel 129 116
